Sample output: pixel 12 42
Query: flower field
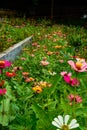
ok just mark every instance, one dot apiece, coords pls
pixel 45 88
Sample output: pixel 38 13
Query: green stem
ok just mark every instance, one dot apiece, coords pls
pixel 74 103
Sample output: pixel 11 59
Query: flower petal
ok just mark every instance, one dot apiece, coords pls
pixel 60 118
pixel 72 64
pixel 73 124
pixel 66 119
pixel 67 79
pixel 58 122
pixel 55 124
pixel 63 73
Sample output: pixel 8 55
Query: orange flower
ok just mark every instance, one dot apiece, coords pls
pixel 37 89
pixel 2 64
pixel 25 73
pixel 2 83
pixel 49 53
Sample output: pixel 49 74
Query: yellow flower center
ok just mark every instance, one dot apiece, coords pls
pixel 65 127
pixel 79 65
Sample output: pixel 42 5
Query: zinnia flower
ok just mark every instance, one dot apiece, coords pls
pixel 34 44
pixel 61 61
pixel 44 63
pixel 65 73
pixel 30 79
pixel 4 64
pixel 25 74
pixel 49 53
pixel 2 83
pixel 52 73
pixel 10 74
pixel 80 65
pixel 58 46
pixel 43 84
pixel 37 89
pixel 74 98
pixel 23 58
pixel 67 78
pixel 62 123
pixel 3 91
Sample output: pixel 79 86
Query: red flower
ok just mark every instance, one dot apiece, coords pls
pixel 3 91
pixel 9 74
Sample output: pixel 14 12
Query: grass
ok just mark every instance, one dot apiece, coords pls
pixel 41 83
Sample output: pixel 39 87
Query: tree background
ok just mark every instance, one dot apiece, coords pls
pixel 59 8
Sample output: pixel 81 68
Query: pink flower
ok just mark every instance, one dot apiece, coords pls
pixel 44 63
pixel 61 61
pixel 65 73
pixel 80 65
pixel 3 91
pixel 75 98
pixel 4 64
pixel 23 58
pixel 34 44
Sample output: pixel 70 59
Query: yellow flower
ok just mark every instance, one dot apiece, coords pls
pixel 43 84
pixel 37 89
pixel 58 46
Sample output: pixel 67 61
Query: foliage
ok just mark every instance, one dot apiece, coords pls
pixel 36 92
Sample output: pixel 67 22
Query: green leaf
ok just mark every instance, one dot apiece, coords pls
pixel 42 115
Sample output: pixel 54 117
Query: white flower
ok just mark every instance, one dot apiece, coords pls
pixel 62 123
pixel 52 73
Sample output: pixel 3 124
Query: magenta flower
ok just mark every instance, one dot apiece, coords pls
pixel 4 64
pixel 67 78
pixel 3 91
pixel 80 65
pixel 71 81
pixel 74 82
